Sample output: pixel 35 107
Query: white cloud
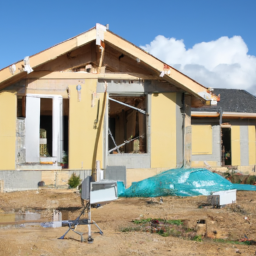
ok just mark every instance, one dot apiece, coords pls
pixel 223 63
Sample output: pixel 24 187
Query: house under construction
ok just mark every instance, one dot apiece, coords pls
pixel 94 97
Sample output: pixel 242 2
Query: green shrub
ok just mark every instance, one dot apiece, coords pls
pixel 251 180
pixel 74 180
pixel 197 238
pixel 65 159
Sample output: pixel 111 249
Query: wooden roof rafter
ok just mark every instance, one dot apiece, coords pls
pixel 175 77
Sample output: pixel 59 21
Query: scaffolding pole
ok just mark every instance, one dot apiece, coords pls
pixel 138 109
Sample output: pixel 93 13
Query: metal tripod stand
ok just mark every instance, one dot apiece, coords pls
pixel 73 225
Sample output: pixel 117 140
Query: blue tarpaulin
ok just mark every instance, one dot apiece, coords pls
pixel 180 182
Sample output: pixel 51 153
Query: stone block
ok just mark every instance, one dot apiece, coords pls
pixel 1 186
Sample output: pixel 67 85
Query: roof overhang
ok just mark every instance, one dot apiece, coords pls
pixel 224 115
pixel 175 77
pixel 204 114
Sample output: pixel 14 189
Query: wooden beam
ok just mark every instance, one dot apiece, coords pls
pixel 117 62
pixel 49 54
pixel 78 75
pixel 101 56
pixel 197 103
pixel 70 60
pixel 146 60
pixel 13 80
pixel 182 80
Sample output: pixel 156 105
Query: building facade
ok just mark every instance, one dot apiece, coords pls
pixel 95 97
pixel 223 135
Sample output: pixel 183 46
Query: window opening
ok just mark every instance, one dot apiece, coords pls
pixel 21 106
pixel 46 127
pixel 226 146
pixel 65 133
pixel 127 124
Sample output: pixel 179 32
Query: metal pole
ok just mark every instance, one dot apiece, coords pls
pixel 90 239
pixel 138 109
pixel 113 140
pixel 125 142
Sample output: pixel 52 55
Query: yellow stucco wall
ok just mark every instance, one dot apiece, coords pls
pixel 82 135
pixel 251 139
pixel 8 103
pixel 135 175
pixel 163 130
pixel 235 145
pixel 203 164
pixel 201 139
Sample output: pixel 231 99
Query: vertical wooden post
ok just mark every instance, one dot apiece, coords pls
pixel 99 130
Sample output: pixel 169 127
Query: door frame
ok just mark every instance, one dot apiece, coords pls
pixel 32 145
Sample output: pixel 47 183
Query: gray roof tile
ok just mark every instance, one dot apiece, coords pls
pixel 232 100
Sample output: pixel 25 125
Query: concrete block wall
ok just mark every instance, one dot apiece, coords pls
pixel 1 186
pixel 28 180
pixel 20 180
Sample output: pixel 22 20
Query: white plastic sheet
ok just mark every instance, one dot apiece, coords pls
pixel 27 67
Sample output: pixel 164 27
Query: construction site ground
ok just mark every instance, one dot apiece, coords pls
pixel 219 227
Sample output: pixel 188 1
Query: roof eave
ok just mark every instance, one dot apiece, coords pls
pixel 177 78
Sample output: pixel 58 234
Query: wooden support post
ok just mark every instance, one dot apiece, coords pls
pixel 99 131
pixel 102 47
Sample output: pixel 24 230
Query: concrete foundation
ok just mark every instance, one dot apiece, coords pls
pixel 28 180
pixel 116 173
pixel 1 186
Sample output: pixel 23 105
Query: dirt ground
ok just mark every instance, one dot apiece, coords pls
pixel 228 223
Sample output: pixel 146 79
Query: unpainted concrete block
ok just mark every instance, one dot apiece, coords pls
pixel 1 186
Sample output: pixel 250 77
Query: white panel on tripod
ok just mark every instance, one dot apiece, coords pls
pixel 86 188
pixel 103 191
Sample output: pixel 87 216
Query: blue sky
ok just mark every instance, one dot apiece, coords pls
pixel 28 27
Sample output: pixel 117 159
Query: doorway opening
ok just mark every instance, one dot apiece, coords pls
pixel 46 106
pixel 65 133
pixel 226 146
pixel 127 124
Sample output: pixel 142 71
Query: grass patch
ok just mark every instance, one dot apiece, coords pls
pixel 142 221
pixel 189 230
pixel 169 232
pixel 130 229
pixel 197 238
pixel 162 233
pixel 174 222
pixel 231 242
pixel 171 222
